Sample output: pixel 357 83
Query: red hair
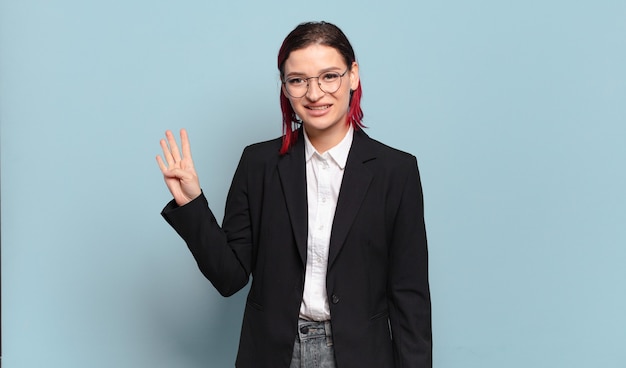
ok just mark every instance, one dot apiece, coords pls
pixel 303 35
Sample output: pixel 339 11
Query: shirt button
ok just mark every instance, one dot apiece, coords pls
pixel 335 299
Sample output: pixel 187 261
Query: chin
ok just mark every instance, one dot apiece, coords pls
pixel 321 124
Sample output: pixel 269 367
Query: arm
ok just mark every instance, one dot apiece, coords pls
pixel 409 295
pixel 224 257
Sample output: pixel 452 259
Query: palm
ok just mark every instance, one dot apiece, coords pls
pixel 178 170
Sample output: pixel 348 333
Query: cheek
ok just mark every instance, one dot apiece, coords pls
pixel 345 96
pixel 295 105
pixel 288 98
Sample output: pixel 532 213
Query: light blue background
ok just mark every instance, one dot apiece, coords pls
pixel 515 110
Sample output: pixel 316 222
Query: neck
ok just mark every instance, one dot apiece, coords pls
pixel 325 140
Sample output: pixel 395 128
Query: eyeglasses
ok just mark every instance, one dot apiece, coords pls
pixel 329 82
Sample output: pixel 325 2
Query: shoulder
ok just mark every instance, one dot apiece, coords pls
pixel 393 153
pixel 397 170
pixel 263 151
pixel 383 153
pixel 272 145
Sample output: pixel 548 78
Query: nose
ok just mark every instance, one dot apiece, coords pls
pixel 314 92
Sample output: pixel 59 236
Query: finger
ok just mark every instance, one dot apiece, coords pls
pixel 166 152
pixel 161 164
pixel 184 140
pixel 173 146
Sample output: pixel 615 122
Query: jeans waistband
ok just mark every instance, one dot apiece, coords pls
pixel 313 329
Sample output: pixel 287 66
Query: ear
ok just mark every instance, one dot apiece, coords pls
pixel 354 76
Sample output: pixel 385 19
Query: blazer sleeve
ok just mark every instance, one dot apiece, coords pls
pixel 223 254
pixel 409 294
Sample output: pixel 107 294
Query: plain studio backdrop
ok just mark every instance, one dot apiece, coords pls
pixel 515 110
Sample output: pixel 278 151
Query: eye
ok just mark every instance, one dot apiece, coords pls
pixel 330 76
pixel 296 81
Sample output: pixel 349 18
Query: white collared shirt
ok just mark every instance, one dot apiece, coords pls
pixel 324 173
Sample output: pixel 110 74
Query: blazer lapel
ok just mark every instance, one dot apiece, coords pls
pixel 354 186
pixel 292 172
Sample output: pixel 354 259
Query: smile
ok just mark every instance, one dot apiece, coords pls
pixel 318 107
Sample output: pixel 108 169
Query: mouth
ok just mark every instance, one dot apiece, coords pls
pixel 318 108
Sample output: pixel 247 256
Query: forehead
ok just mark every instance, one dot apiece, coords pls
pixel 313 59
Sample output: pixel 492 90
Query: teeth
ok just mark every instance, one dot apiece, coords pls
pixel 319 107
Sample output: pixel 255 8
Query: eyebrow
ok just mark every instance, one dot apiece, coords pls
pixel 325 70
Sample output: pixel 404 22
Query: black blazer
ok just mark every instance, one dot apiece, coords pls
pixel 377 278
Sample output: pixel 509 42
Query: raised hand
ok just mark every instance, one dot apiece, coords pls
pixel 178 171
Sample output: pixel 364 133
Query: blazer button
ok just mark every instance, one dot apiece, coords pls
pixel 335 299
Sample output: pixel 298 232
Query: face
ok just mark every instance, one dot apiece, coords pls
pixel 323 114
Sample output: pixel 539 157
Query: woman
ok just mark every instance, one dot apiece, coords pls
pixel 328 222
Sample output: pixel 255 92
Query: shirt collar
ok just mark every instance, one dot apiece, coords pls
pixel 338 153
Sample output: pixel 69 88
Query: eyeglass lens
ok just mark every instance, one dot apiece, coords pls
pixel 328 82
